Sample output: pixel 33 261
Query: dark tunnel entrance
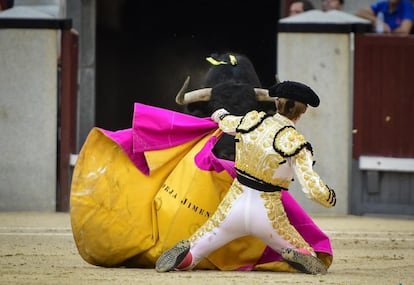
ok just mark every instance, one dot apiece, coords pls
pixel 145 49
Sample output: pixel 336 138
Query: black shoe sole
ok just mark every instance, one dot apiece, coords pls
pixel 306 263
pixel 169 260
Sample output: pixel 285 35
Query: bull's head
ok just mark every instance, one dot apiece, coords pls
pixel 231 83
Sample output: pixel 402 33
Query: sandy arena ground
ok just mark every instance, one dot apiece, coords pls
pixel 38 248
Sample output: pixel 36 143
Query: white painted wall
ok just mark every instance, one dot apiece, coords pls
pixel 28 119
pixel 324 61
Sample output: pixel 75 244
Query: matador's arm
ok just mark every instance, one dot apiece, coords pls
pixel 227 123
pixel 312 184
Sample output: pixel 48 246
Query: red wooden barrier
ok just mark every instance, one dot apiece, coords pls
pixel 68 114
pixel 383 96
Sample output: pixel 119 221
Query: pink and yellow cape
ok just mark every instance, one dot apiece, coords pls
pixel 136 192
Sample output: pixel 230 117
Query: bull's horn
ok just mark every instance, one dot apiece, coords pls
pixel 263 95
pixel 184 98
pixel 195 96
pixel 180 95
pixel 277 79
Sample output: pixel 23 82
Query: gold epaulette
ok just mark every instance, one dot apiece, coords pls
pixel 251 120
pixel 289 142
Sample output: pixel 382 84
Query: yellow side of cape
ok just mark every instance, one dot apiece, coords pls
pixel 120 215
pixel 112 203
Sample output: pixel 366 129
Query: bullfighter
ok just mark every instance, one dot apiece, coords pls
pixel 269 152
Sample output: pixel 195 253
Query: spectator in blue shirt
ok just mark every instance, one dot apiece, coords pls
pixel 398 15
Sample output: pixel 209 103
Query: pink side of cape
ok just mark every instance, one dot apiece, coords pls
pixel 156 128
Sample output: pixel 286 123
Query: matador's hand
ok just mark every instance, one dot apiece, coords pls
pixel 218 114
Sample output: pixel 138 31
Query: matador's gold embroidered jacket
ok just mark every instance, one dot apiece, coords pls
pixel 270 149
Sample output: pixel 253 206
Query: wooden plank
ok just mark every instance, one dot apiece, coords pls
pixel 383 95
pixel 386 163
pixel 68 114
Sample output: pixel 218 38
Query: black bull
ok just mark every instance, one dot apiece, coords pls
pixel 231 83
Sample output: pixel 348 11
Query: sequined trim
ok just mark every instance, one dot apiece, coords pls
pixel 255 154
pixel 288 142
pixel 221 213
pixel 229 123
pixel 280 222
pixel 251 120
pixel 310 180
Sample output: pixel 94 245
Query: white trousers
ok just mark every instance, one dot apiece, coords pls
pixel 246 211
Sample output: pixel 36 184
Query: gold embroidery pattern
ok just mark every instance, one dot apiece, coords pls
pixel 316 189
pixel 222 210
pixel 288 141
pixel 229 123
pixel 277 215
pixel 251 119
pixel 255 154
